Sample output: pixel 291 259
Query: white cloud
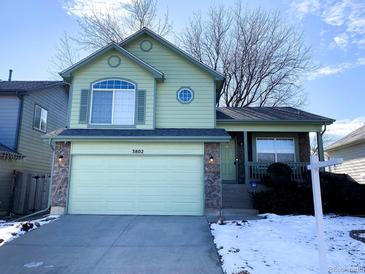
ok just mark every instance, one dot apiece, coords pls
pixel 305 7
pixel 337 69
pixel 341 128
pixel 82 8
pixel 341 40
pixel 346 17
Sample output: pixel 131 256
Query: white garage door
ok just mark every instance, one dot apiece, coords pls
pixel 161 185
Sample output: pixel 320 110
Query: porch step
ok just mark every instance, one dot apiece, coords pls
pixel 233 214
pixel 236 196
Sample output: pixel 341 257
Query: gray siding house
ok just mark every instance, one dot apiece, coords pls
pixel 352 149
pixel 28 110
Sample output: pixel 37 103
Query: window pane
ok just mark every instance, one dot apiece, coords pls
pixel 44 114
pixel 102 107
pixel 265 145
pixel 266 157
pixel 285 157
pixel 37 117
pixel 124 109
pixel 284 146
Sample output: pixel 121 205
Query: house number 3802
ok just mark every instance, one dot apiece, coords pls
pixel 137 151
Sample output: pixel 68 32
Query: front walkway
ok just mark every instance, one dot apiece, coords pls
pixel 114 244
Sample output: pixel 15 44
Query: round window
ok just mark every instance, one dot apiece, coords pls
pixel 146 45
pixel 185 95
pixel 114 61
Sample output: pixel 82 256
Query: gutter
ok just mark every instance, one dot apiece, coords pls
pixel 141 138
pixel 295 122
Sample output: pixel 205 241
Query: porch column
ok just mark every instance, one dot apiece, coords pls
pixel 245 154
pixel 320 146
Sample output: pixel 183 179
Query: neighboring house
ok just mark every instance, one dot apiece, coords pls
pixel 28 110
pixel 145 137
pixel 351 149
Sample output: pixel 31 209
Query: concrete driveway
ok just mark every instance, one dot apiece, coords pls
pixel 114 244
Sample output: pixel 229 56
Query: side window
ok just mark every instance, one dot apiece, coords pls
pixel 40 118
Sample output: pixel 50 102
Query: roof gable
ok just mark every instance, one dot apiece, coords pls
pixel 67 73
pixel 146 31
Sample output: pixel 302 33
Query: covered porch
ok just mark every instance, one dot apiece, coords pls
pixel 260 139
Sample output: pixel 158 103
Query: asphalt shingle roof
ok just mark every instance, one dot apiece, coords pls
pixel 140 133
pixel 4 148
pixel 268 114
pixel 26 85
pixel 356 136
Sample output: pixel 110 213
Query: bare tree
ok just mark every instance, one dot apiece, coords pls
pixel 142 13
pixel 261 58
pixel 100 28
pixel 66 55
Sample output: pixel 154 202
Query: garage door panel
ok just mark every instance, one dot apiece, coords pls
pixel 166 185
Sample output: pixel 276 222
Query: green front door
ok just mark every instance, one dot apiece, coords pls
pixel 228 157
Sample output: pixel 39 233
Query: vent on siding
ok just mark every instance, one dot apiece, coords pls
pixel 84 101
pixel 141 106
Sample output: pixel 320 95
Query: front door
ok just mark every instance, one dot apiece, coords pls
pixel 228 158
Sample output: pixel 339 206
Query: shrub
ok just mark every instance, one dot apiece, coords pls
pixel 340 194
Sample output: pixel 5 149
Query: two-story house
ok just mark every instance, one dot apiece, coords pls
pixel 28 110
pixel 145 136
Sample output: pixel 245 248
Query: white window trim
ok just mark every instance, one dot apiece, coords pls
pixel 40 119
pixel 112 118
pixel 276 138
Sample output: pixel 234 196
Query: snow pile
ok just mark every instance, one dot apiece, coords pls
pixel 11 230
pixel 287 244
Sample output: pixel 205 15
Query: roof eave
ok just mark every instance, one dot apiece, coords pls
pixel 233 121
pixel 145 138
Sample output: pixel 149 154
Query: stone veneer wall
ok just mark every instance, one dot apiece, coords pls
pixel 304 146
pixel 60 177
pixel 212 176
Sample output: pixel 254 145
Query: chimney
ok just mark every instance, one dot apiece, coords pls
pixel 10 74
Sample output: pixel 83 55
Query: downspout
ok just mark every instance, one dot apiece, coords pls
pixel 47 209
pixel 19 122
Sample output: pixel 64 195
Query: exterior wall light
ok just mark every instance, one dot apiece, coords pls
pixel 211 160
pixel 60 158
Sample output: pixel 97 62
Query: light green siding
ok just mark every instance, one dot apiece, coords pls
pixel 107 178
pixel 269 127
pixel 179 72
pixel 99 69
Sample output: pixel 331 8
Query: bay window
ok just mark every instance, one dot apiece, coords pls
pixel 270 149
pixel 113 103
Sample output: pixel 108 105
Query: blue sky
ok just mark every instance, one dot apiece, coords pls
pixel 335 30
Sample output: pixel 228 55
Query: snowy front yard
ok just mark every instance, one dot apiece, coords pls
pixel 11 230
pixel 287 244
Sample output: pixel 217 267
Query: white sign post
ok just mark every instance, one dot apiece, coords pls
pixel 314 167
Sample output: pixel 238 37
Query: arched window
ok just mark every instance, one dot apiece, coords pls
pixel 113 102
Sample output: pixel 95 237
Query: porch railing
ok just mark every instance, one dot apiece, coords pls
pixel 258 170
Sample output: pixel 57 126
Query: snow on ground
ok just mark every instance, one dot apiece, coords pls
pixel 11 230
pixel 287 244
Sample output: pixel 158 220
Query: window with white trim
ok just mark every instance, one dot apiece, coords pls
pixel 113 103
pixel 270 149
pixel 40 118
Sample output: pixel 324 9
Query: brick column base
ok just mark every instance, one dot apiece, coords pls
pixel 60 177
pixel 212 176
